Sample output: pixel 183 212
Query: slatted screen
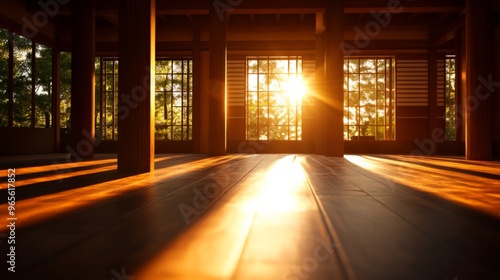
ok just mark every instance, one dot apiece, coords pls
pixel 412 83
pixel 308 71
pixel 236 83
pixel 441 82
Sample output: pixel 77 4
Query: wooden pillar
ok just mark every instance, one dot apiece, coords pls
pixel 433 92
pixel 496 98
pixel 217 81
pixel 197 88
pixel 320 84
pixel 461 83
pixel 334 98
pixel 56 94
pixel 136 77
pixel 82 79
pixel 478 138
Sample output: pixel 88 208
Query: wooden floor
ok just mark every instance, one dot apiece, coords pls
pixel 255 217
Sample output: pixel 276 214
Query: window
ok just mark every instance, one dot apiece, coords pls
pixel 274 98
pixel 450 99
pixel 174 99
pixel 29 95
pixel 369 105
pixel 107 94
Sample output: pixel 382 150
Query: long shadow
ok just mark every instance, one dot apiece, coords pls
pixel 45 161
pixel 80 181
pixel 470 213
pixel 125 222
pixel 447 168
pixel 452 241
pixel 62 171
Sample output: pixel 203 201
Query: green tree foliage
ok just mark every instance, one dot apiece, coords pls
pixel 43 86
pixel 65 94
pixel 22 82
pixel 368 98
pixel 450 99
pixel 174 100
pixel 4 74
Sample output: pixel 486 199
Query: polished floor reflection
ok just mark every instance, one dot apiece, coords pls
pixel 256 217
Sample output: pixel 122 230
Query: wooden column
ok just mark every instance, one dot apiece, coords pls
pixel 461 84
pixel 197 88
pixel 217 81
pixel 433 92
pixel 56 94
pixel 334 98
pixel 136 77
pixel 82 79
pixel 320 84
pixel 478 138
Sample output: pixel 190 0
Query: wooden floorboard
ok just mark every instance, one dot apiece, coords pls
pixel 256 217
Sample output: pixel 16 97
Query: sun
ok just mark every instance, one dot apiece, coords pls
pixel 296 88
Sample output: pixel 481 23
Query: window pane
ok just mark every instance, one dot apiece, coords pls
pixel 22 81
pixel 43 86
pixel 65 91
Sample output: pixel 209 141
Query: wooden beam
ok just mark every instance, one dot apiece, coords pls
pixel 421 6
pixel 82 79
pixel 334 95
pixel 217 78
pixel 136 83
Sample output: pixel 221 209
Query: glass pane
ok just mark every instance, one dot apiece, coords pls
pixel 66 91
pixel 367 65
pixel 43 86
pixel 22 81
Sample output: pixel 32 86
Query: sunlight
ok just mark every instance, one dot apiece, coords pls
pixel 296 88
pixel 443 178
pixel 283 182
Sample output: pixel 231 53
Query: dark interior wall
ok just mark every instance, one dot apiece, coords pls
pixel 20 140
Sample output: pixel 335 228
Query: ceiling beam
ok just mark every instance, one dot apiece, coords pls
pixel 197 7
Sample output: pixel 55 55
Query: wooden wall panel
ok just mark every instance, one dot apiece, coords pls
pixel 412 82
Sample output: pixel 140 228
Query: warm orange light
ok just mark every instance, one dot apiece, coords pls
pixel 448 179
pixel 296 88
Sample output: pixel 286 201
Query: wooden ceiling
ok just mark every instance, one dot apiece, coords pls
pixel 440 18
